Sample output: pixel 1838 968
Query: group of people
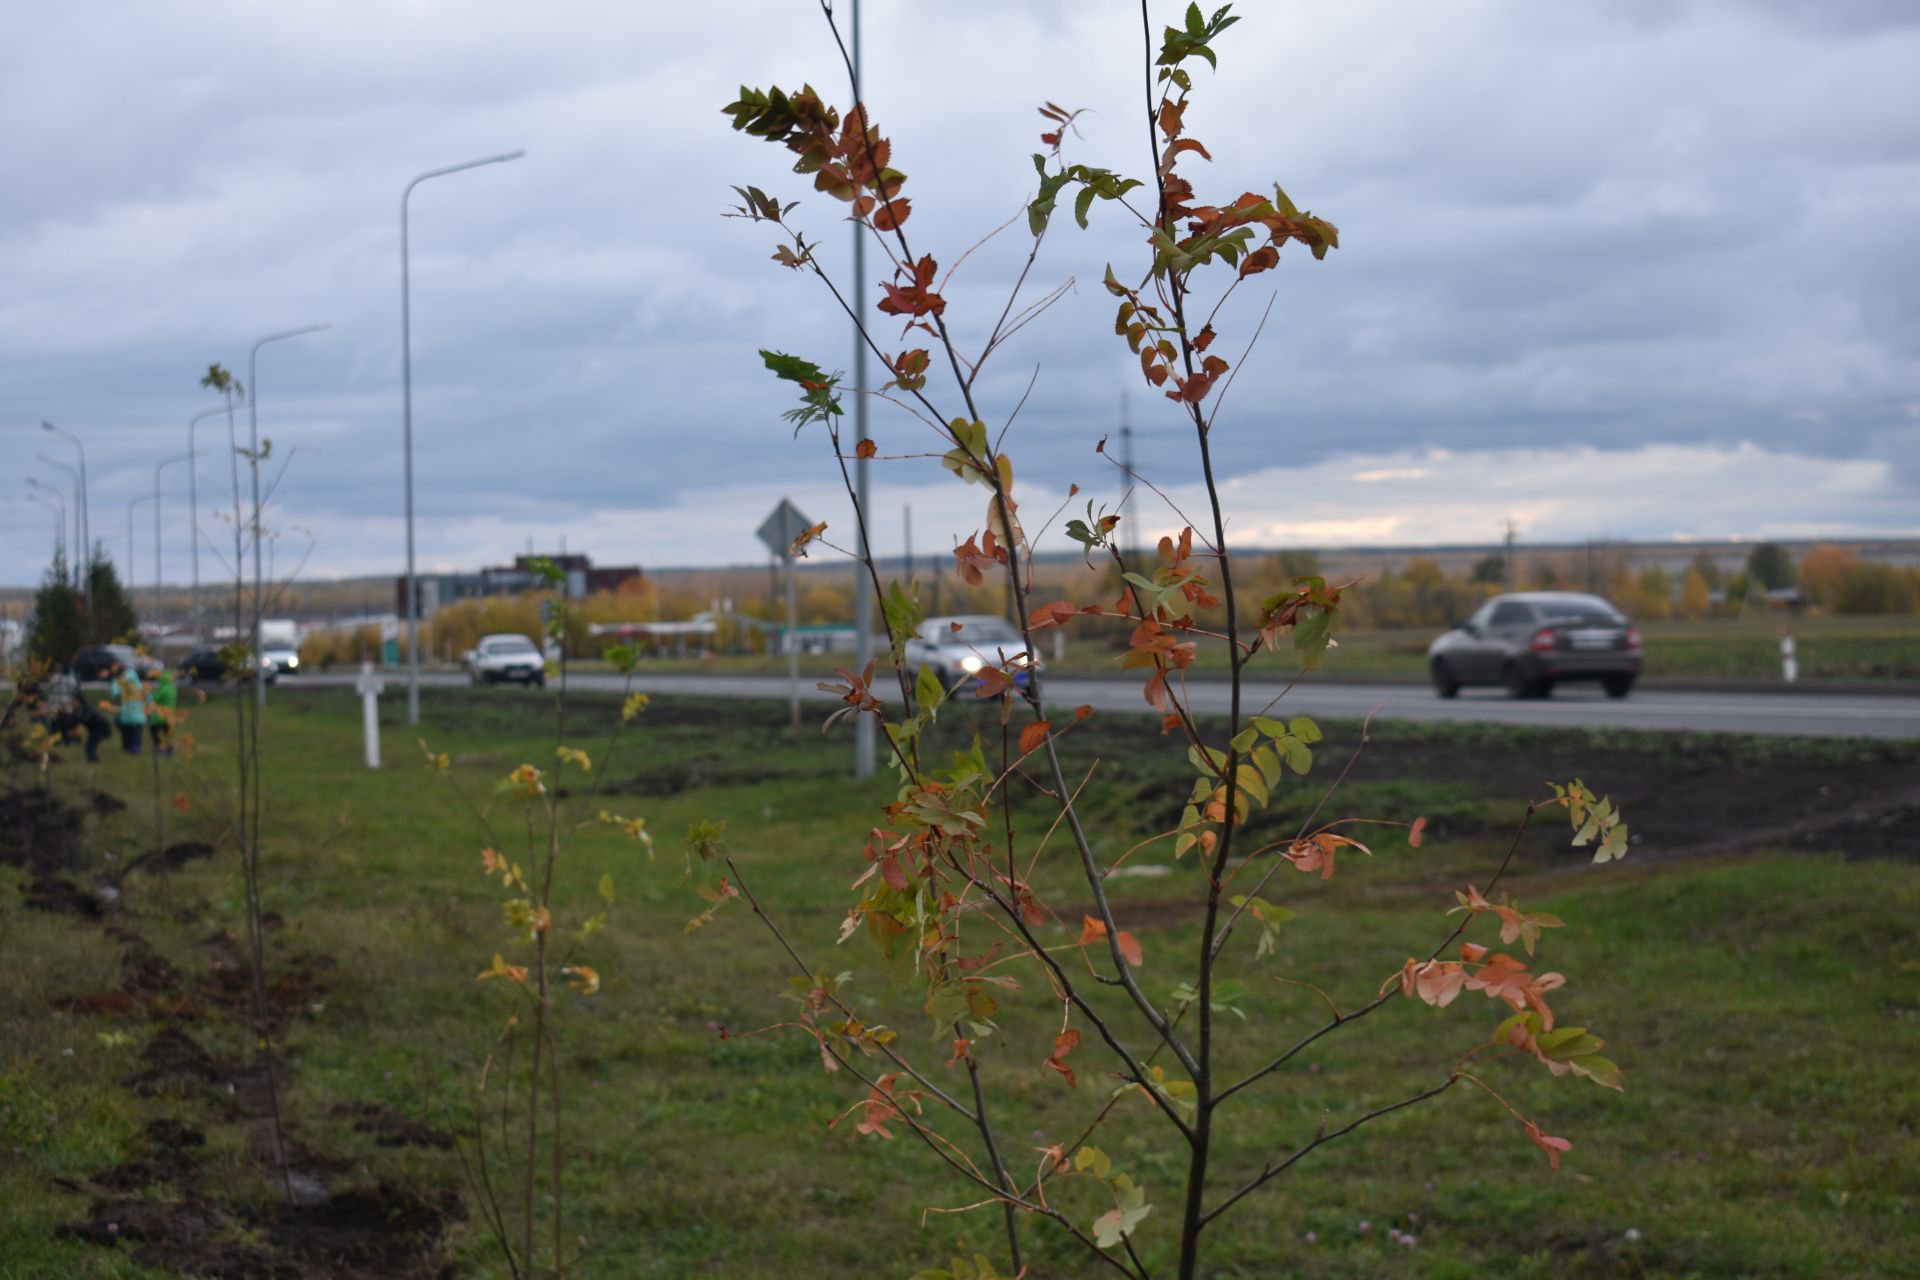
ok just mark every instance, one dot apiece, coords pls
pixel 140 709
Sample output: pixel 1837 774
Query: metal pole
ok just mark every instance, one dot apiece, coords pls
pixel 34 486
pixel 79 533
pixel 406 422
pixel 132 594
pixel 253 433
pixel 193 510
pixel 793 652
pixel 165 462
pixel 85 513
pixel 863 736
pixel 59 525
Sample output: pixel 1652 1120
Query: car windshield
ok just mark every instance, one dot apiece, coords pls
pixel 509 644
pixel 976 631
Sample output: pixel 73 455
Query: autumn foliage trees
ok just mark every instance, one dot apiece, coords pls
pixel 946 886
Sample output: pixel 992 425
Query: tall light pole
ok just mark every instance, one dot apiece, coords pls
pixel 51 497
pixel 193 507
pixel 59 509
pixel 863 736
pixel 253 433
pixel 85 514
pixel 157 467
pixel 132 595
pixel 79 533
pixel 406 419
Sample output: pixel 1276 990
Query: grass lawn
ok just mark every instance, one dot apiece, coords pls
pixel 1762 1003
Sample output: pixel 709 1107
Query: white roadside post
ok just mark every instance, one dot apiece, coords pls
pixel 370 686
pixel 1789 663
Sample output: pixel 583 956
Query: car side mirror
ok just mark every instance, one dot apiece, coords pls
pixel 1465 626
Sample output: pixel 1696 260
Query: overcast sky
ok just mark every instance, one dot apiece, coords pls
pixel 1636 269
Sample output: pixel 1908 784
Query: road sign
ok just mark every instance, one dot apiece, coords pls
pixel 779 530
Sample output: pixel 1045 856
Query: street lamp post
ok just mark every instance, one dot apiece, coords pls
pixel 193 509
pixel 145 497
pixel 79 532
pixel 59 508
pixel 157 467
pixel 406 420
pixel 85 514
pixel 34 487
pixel 253 433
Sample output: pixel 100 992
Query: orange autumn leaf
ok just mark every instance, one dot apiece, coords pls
pixel 1082 712
pixel 865 449
pixel 181 802
pixel 1091 930
pixel 1064 1044
pixel 1034 735
pixel 1130 948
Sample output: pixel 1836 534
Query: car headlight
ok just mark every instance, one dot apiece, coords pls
pixel 971 663
pixel 293 660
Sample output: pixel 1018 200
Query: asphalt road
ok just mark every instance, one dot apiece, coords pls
pixel 1801 715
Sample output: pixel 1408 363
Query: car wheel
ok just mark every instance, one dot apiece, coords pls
pixel 1443 682
pixel 1617 686
pixel 1518 686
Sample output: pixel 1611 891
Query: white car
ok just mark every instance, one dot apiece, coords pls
pixel 955 648
pixel 508 657
pixel 277 660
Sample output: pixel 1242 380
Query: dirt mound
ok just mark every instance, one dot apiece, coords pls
pixel 38 831
pixel 391 1129
pixel 376 1233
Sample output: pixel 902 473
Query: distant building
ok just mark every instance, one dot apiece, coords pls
pixel 438 589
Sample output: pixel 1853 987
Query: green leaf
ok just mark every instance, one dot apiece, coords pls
pixel 606 885
pixel 1305 729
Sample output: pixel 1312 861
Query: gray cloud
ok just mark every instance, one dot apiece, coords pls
pixel 1628 226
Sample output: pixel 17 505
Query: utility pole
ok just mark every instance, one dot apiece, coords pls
pixel 862 599
pixel 1129 545
pixel 1513 569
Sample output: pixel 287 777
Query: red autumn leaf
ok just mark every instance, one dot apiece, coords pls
pixel 865 449
pixel 1548 1143
pixel 1081 713
pixel 181 802
pixel 916 298
pixel 1204 338
pixel 1051 615
pixel 1169 722
pixel 893 213
pixel 1416 832
pixel 1130 948
pixel 1064 1044
pixel 1034 735
pixel 1259 260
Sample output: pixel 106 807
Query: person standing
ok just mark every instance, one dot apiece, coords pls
pixel 70 716
pixel 131 715
pixel 165 696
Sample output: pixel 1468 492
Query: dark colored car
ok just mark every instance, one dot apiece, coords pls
pixel 206 666
pixel 96 662
pixel 1534 640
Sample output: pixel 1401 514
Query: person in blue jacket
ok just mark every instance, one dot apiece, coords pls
pixel 131 714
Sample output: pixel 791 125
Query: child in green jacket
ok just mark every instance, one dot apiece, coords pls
pixel 162 699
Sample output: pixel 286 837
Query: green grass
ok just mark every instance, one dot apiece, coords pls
pixel 1763 1008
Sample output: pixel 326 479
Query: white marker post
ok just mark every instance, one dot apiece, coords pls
pixel 1789 664
pixel 370 686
